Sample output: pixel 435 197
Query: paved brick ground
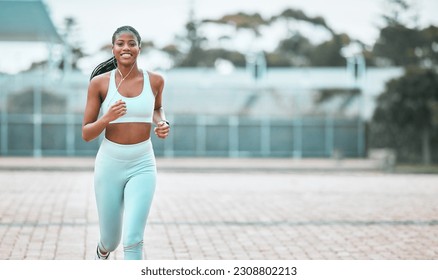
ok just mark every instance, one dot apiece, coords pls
pixel 246 214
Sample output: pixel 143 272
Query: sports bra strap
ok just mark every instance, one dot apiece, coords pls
pixel 112 91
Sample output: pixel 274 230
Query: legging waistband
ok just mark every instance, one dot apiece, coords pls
pixel 126 151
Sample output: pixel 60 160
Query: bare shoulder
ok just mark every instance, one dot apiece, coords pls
pixel 99 84
pixel 156 77
pixel 157 81
pixel 100 80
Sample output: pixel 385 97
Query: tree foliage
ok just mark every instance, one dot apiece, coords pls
pixel 242 21
pixel 300 15
pixel 329 53
pixel 295 50
pixel 405 118
pixel 405 101
pixel 404 114
pixel 428 49
pixel 398 44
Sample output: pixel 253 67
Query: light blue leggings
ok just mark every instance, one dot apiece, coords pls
pixel 124 182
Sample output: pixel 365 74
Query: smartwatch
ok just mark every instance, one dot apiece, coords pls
pixel 167 122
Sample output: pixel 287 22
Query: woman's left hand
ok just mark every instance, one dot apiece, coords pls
pixel 162 130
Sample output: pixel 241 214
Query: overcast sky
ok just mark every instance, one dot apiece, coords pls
pixel 161 20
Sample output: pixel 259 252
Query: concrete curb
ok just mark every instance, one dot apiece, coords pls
pixel 198 165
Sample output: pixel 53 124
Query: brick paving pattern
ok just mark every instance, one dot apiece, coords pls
pixel 230 215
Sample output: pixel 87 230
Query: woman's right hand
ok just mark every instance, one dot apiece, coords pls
pixel 117 110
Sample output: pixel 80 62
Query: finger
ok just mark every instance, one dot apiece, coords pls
pixel 160 134
pixel 119 105
pixel 166 127
pixel 120 110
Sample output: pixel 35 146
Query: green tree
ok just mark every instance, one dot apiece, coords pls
pixel 399 45
pixel 241 21
pixel 73 50
pixel 428 50
pixel 297 50
pixel 294 50
pixel 401 42
pixel 396 12
pixel 193 58
pixel 405 116
pixel 300 15
pixel 329 53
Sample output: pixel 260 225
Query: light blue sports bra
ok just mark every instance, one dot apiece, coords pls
pixel 139 108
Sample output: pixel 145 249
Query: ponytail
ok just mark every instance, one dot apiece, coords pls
pixel 104 67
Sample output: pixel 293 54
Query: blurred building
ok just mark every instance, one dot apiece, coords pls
pixel 222 111
pixel 27 23
pixel 313 112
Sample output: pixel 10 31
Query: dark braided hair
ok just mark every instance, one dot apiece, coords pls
pixel 111 63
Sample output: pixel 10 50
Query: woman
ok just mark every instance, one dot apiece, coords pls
pixel 125 170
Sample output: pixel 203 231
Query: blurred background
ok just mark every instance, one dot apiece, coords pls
pixel 267 78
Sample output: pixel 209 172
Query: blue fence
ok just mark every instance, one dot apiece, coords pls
pixel 43 117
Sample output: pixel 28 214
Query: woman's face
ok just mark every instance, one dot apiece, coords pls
pixel 126 48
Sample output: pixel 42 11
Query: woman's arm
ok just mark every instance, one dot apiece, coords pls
pixel 92 127
pixel 159 117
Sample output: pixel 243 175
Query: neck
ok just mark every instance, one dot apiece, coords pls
pixel 127 70
pixel 124 76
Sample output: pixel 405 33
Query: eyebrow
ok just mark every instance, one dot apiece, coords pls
pixel 127 40
pixel 130 40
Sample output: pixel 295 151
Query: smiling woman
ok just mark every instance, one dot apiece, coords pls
pixel 125 169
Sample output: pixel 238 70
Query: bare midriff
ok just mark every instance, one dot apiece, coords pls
pixel 128 133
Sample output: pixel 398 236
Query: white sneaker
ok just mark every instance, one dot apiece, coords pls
pixel 101 257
